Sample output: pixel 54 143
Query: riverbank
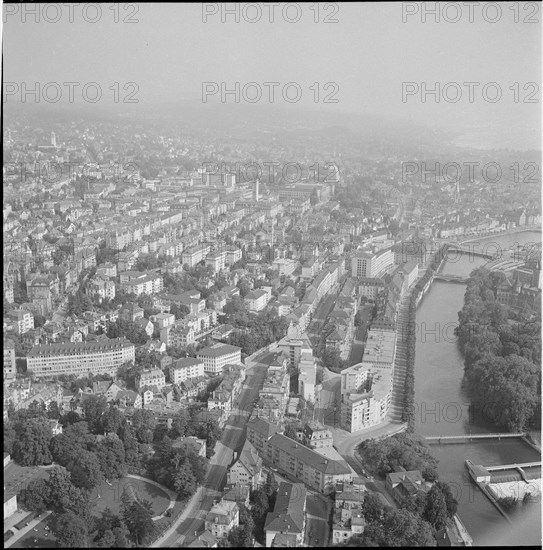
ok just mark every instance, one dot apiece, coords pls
pixel 444 408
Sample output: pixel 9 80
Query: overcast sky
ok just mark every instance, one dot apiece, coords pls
pixel 369 52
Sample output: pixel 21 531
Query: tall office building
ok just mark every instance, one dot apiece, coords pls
pixel 372 264
pixel 53 139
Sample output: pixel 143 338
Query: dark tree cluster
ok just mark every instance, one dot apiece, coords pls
pixel 502 360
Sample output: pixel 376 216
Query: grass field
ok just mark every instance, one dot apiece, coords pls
pixel 43 537
pixel 106 496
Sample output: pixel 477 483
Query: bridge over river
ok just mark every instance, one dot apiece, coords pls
pixel 470 437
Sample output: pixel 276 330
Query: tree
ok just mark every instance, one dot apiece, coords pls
pixel 71 531
pixel 112 420
pixel 240 537
pixel 137 515
pixel 271 487
pixel 111 456
pixel 435 511
pixel 144 423
pixel 94 407
pixel 53 411
pixel 85 470
pixel 36 496
pixel 450 501
pixel 64 496
pixel 31 448
pixel 184 481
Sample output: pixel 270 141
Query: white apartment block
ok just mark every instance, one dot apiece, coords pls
pixel 361 407
pixel 256 300
pixel 141 283
pixel 380 349
pixel 216 260
pixel 284 266
pixel 195 255
pixel 151 377
pixel 162 320
pixel 101 289
pixel 185 368
pixel 23 319
pixel 80 358
pixel 215 357
pixel 9 359
pixel 372 264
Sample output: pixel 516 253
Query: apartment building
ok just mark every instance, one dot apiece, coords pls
pixel 348 519
pixel 372 264
pixel 22 320
pixel 258 433
pixel 366 395
pixel 380 349
pixel 222 518
pixel 185 368
pixel 288 519
pixel 307 377
pixel 370 287
pixel 141 283
pixel 9 359
pixel 81 358
pixel 284 266
pixel 178 335
pixel 216 260
pixel 256 300
pixel 151 377
pixel 218 355
pixel 195 254
pixel 100 289
pixel 247 468
pixel 319 469
pixel 317 436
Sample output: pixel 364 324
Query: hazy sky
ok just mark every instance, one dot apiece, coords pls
pixel 368 53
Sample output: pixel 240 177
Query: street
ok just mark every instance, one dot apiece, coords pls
pixel 191 522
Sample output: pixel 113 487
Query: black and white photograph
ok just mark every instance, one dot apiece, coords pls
pixel 272 274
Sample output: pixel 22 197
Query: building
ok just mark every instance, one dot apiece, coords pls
pixel 151 377
pixel 317 436
pixel 138 283
pixel 256 300
pixel 307 377
pixel 370 287
pixel 348 519
pixel 100 289
pixel 288 516
pixel 258 433
pixel 82 358
pixel 222 518
pixel 162 320
pixel 365 397
pixel 185 368
pixel 9 359
pixel 218 355
pixel 404 485
pixel 22 319
pixel 10 503
pixel 247 469
pixel 320 470
pixel 372 264
pixel 380 349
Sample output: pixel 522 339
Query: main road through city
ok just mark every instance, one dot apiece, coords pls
pixel 191 523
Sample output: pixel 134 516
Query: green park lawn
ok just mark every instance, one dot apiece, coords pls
pixel 106 496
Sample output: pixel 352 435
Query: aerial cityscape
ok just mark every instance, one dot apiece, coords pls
pixel 272 274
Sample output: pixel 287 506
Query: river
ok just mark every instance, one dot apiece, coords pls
pixel 443 409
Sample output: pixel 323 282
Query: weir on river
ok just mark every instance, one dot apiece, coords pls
pixel 439 373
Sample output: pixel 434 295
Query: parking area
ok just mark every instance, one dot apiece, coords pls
pixel 39 536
